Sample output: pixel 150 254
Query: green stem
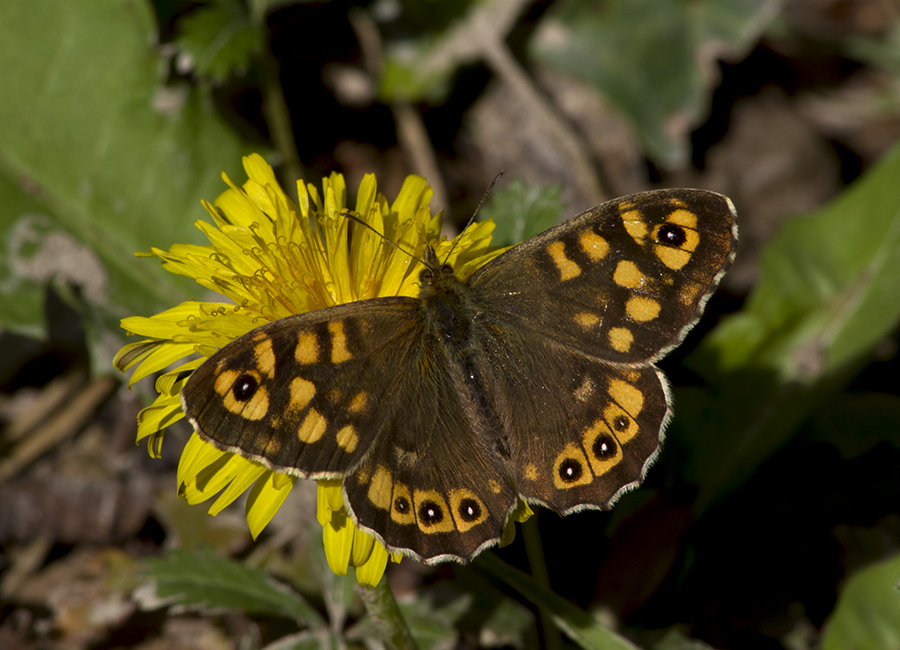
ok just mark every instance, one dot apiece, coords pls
pixel 534 549
pixel 382 607
pixel 576 623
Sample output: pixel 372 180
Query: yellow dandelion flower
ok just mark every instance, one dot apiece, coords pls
pixel 271 259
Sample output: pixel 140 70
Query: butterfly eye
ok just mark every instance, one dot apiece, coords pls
pixel 671 235
pixel 245 387
pixel 430 513
pixel 604 447
pixel 570 470
pixel 469 510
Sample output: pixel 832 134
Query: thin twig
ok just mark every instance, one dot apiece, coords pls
pixel 416 143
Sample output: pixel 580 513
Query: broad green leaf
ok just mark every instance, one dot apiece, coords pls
pixel 642 55
pixel 204 580
pixel 829 291
pixel 520 211
pixel 220 39
pixel 35 251
pixel 867 615
pixel 574 622
pixel 116 161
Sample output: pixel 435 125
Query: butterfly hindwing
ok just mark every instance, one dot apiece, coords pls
pixel 588 429
pixel 437 483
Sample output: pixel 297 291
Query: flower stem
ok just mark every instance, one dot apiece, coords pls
pixel 382 607
pixel 534 549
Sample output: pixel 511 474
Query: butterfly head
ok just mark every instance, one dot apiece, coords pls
pixel 435 272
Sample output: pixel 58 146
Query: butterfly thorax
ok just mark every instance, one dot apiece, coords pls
pixel 444 302
pixel 450 310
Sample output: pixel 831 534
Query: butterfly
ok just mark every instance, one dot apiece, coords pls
pixel 534 379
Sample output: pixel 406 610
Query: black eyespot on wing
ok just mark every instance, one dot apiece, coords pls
pixel 570 470
pixel 671 234
pixel 245 387
pixel 469 510
pixel 604 447
pixel 620 423
pixel 430 513
pixel 402 505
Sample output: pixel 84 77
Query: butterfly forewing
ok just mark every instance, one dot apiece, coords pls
pixel 307 394
pixel 623 281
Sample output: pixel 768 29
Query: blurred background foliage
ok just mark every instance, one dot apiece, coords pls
pixel 771 520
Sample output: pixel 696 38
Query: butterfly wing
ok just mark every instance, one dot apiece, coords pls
pixel 358 392
pixel 572 321
pixel 582 430
pixel 437 487
pixel 624 281
pixel 305 394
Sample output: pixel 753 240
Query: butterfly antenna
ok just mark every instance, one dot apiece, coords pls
pixel 352 217
pixel 477 208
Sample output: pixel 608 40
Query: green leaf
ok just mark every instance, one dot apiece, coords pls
pixel 576 623
pixel 881 51
pixel 506 625
pixel 113 161
pixel 829 291
pixel 829 287
pixel 867 615
pixel 220 39
pixel 642 56
pixel 675 640
pixel 203 580
pixel 35 251
pixel 434 628
pixel 402 80
pixel 421 67
pixel 306 640
pixel 521 211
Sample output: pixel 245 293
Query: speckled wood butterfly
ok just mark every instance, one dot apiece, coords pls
pixel 533 379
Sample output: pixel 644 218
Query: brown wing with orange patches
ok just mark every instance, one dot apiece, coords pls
pixel 316 398
pixel 581 430
pixel 624 281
